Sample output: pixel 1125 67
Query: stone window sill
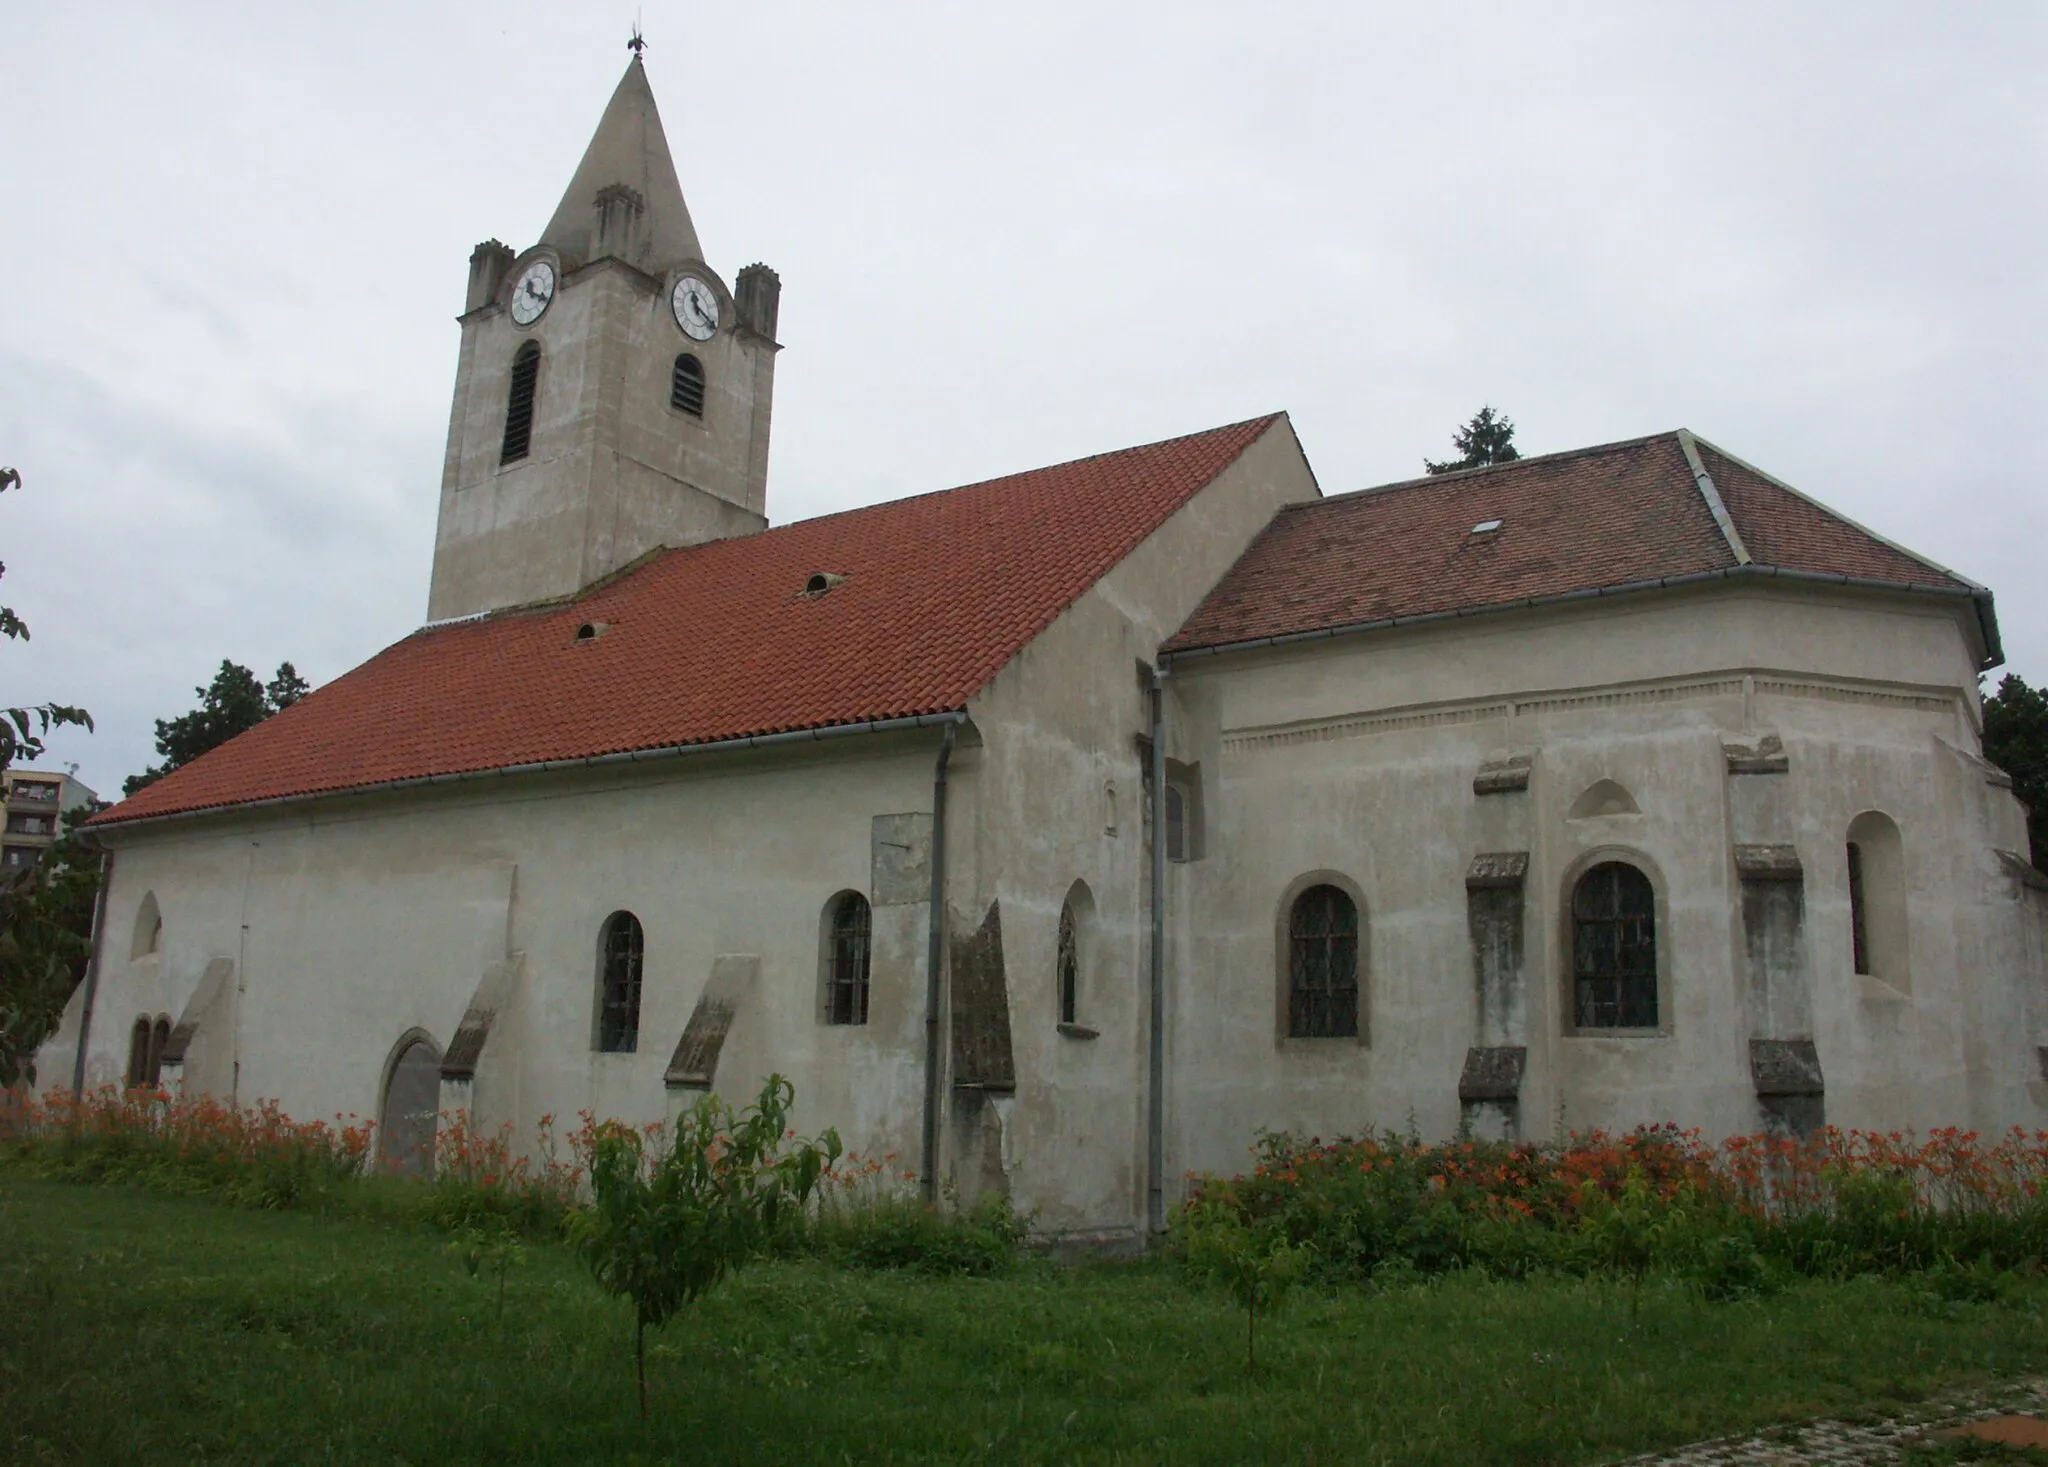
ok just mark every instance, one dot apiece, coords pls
pixel 1079 1031
pixel 1617 1033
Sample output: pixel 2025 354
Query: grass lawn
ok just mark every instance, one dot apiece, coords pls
pixel 141 1327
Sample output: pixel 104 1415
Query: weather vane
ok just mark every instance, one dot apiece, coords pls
pixel 639 42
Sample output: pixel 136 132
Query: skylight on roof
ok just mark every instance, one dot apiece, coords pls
pixel 1486 527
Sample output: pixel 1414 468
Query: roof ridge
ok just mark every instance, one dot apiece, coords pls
pixel 1425 480
pixel 1066 463
pixel 662 553
pixel 1835 514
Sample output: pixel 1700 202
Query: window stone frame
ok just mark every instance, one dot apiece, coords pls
pixel 1283 964
pixel 1566 985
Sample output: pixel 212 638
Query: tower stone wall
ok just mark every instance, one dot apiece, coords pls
pixel 614 468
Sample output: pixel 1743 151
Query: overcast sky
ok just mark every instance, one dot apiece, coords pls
pixel 236 238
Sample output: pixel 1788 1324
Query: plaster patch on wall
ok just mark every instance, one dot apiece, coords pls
pixel 900 863
pixel 694 1065
pixel 982 1058
pixel 1774 947
pixel 1493 914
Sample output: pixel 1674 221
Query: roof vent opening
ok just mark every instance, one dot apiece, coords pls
pixel 590 631
pixel 822 582
pixel 1487 527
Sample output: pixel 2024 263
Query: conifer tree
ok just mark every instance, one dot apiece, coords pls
pixel 1488 439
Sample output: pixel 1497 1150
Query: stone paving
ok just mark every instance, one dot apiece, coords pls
pixel 1844 1442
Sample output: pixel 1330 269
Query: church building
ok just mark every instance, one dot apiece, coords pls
pixel 1056 834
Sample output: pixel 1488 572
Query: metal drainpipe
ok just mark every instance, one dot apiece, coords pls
pixel 1155 1107
pixel 92 971
pixel 933 954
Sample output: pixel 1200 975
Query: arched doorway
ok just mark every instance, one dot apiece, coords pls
pixel 411 1108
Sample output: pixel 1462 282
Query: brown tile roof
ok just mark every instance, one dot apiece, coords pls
pixel 717 642
pixel 1604 518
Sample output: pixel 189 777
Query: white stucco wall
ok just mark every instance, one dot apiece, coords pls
pixel 1357 756
pixel 353 925
pixel 1059 726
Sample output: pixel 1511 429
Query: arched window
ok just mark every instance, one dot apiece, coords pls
pixel 519 403
pixel 138 1053
pixel 159 1036
pixel 620 950
pixel 1614 949
pixel 1322 976
pixel 149 929
pixel 1877 899
pixel 846 960
pixel 686 386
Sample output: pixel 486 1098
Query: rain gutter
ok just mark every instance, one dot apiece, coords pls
pixel 954 718
pixel 1155 1094
pixel 1987 621
pixel 934 956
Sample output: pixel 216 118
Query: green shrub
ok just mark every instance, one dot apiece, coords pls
pixel 904 1233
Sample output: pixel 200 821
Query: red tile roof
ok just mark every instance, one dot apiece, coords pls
pixel 1593 519
pixel 717 641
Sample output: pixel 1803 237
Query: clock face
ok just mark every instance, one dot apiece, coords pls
pixel 531 295
pixel 696 308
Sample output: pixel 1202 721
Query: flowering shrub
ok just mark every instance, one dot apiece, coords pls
pixel 256 1155
pixel 479 1178
pixel 862 1209
pixel 1835 1203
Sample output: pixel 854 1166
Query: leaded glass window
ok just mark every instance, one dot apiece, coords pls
pixel 1614 949
pixel 1322 980
pixel 846 975
pixel 621 953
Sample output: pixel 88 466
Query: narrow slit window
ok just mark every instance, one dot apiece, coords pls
pixel 138 1053
pixel 519 403
pixel 846 961
pixel 686 386
pixel 1322 980
pixel 1614 949
pixel 622 950
pixel 1068 965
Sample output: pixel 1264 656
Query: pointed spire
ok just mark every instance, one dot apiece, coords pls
pixel 625 199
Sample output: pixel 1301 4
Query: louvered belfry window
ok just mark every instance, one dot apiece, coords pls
pixel 519 403
pixel 1322 988
pixel 618 1014
pixel 1614 949
pixel 846 977
pixel 686 387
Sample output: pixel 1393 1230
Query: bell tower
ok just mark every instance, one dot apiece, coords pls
pixel 612 393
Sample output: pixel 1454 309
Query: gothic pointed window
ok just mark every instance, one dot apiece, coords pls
pixel 620 952
pixel 1322 978
pixel 1067 964
pixel 1614 949
pixel 846 960
pixel 686 386
pixel 519 403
